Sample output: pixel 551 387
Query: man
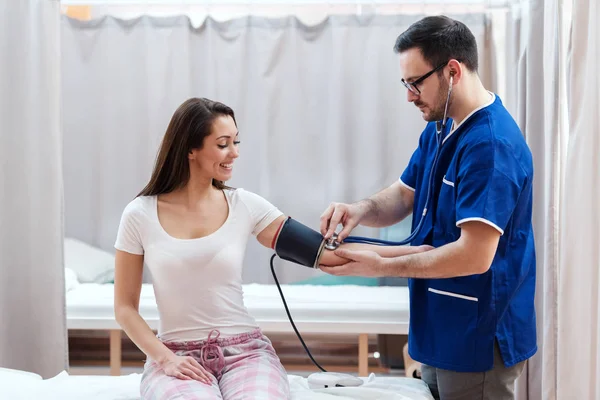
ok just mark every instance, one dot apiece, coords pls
pixel 472 318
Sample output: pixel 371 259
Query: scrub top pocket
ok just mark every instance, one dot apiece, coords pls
pixel 452 325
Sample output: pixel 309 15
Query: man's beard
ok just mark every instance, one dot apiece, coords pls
pixel 437 111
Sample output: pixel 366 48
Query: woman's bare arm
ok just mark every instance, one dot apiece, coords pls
pixel 267 236
pixel 328 258
pixel 128 285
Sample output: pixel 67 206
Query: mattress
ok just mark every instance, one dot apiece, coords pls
pixel 314 308
pixel 70 387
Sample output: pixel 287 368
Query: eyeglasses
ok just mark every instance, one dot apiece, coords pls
pixel 412 86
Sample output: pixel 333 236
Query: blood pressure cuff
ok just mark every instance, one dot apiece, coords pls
pixel 299 244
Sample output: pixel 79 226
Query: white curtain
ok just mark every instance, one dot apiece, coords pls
pixel 537 109
pixel 32 300
pixel 321 111
pixel 578 361
pixel 556 102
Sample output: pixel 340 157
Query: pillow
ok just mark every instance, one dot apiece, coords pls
pixel 71 281
pixel 90 264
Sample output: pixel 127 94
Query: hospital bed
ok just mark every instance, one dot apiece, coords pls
pixel 347 309
pixel 315 309
pixel 21 385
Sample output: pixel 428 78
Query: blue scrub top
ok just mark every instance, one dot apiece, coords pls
pixel 484 173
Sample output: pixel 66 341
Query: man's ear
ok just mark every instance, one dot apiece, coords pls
pixel 454 70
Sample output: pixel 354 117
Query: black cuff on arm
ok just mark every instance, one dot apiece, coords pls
pixel 299 244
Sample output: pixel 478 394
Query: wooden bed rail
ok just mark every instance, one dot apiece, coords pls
pixel 116 354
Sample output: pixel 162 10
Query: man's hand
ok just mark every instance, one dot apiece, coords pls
pixel 360 263
pixel 385 208
pixel 349 215
pixel 368 263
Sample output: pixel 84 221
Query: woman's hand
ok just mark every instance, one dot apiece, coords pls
pixel 186 368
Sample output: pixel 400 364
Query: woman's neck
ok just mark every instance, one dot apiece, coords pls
pixel 196 191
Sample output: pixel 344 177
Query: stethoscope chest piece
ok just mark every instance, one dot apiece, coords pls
pixel 332 243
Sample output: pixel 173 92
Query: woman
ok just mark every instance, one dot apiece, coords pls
pixel 191 230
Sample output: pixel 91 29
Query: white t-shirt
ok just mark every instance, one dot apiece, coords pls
pixel 197 282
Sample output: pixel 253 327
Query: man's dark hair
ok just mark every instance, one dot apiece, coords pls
pixel 440 39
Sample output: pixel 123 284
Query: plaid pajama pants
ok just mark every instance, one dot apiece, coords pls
pixel 244 366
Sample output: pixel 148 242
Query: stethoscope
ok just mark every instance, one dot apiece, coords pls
pixel 440 126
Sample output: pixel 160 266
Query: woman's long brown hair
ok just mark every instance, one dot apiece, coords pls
pixel 189 125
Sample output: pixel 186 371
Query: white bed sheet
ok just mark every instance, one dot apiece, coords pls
pixel 314 308
pixel 126 387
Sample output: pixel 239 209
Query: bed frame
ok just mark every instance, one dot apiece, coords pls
pixel 359 328
pixel 346 311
